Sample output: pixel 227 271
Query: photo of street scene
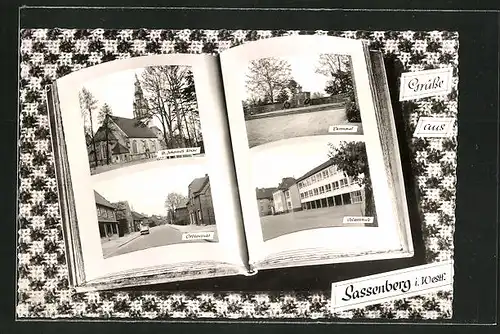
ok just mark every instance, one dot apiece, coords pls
pixel 300 95
pixel 317 183
pixel 155 208
pixel 140 115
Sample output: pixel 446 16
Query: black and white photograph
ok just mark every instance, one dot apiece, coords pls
pixel 326 185
pixel 155 207
pixel 300 95
pixel 140 115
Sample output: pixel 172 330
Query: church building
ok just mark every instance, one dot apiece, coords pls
pixel 126 139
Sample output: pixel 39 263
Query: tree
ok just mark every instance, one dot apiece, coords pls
pixel 267 76
pixel 338 69
pixel 171 96
pixel 104 118
pixel 153 83
pixel 173 201
pixel 329 63
pixel 282 96
pixel 88 104
pixel 175 77
pixel 350 157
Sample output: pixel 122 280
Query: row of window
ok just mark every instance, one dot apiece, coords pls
pixel 152 147
pixel 325 173
pixel 105 213
pixel 342 183
pixel 356 196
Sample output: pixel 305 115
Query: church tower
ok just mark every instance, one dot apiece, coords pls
pixel 140 103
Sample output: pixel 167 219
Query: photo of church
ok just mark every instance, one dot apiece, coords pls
pixel 139 115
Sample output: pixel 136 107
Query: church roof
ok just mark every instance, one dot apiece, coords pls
pixel 133 128
pixel 119 149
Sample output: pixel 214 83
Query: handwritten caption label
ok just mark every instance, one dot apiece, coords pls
pixel 392 285
pixel 356 220
pixel 434 127
pixel 342 128
pixel 164 154
pixel 426 83
pixel 198 236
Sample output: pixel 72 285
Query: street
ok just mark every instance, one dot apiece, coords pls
pixel 276 127
pixel 162 235
pixel 275 226
pixel 152 162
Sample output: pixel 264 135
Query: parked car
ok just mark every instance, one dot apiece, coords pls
pixel 144 229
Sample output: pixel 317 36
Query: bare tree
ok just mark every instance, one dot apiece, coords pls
pixel 153 81
pixel 175 76
pixel 173 201
pixel 330 63
pixel 267 77
pixel 88 104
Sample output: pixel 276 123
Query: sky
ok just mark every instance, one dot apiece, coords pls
pixel 117 90
pixel 303 68
pixel 288 158
pixel 147 190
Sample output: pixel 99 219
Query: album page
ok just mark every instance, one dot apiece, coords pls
pixel 307 151
pixel 150 165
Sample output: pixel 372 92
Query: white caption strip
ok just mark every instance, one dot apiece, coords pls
pixel 426 83
pixel 397 284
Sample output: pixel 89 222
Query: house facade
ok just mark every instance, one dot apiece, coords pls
pixel 182 214
pixel 326 186
pixel 106 217
pixel 200 206
pixel 265 200
pixel 286 197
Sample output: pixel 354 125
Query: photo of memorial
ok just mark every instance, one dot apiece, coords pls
pixel 140 116
pixel 300 95
pixel 328 186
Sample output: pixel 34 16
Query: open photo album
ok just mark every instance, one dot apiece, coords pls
pixel 275 153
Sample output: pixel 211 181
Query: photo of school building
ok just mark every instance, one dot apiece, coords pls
pixel 325 186
pixel 321 197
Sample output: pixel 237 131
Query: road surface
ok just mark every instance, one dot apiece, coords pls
pixel 276 127
pixel 162 235
pixel 275 226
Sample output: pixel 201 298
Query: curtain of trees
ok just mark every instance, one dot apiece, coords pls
pixel 171 99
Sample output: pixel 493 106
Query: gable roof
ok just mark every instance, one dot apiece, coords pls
pixel 286 183
pixel 100 135
pixel 183 204
pixel 316 169
pixel 119 149
pixel 265 193
pixel 137 216
pixel 100 200
pixel 197 185
pixel 133 128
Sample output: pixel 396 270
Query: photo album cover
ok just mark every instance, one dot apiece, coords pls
pixel 166 159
